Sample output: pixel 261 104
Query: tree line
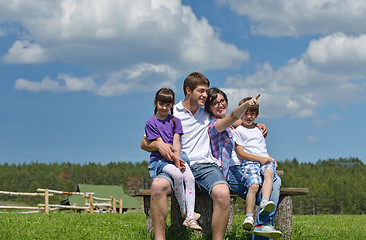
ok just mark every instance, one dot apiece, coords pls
pixel 336 186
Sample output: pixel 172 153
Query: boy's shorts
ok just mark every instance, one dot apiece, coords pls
pixel 253 172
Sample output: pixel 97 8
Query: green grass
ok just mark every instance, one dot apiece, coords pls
pixel 64 225
pixel 350 227
pixel 72 226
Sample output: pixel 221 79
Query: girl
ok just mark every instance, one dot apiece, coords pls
pixel 164 127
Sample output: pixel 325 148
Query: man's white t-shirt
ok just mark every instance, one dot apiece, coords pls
pixel 195 141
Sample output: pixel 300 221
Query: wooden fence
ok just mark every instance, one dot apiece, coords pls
pixel 90 206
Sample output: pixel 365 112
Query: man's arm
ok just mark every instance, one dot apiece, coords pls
pixel 165 149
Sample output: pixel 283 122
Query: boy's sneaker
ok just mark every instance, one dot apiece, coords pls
pixel 266 207
pixel 267 231
pixel 248 223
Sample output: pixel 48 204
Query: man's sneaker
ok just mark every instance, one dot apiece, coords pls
pixel 266 207
pixel 267 231
pixel 248 223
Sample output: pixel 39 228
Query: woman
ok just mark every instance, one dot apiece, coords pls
pixel 220 131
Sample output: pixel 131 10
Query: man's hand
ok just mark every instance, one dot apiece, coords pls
pixel 180 164
pixel 263 128
pixel 166 150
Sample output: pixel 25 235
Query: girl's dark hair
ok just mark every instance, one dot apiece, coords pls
pixel 165 95
pixel 212 94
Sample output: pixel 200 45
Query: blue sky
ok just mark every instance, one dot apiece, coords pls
pixel 78 77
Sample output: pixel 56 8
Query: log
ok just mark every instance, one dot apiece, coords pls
pixel 18 207
pixel 23 194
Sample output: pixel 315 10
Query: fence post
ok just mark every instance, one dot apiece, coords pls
pixel 75 211
pixel 114 204
pixel 46 202
pixel 120 206
pixel 86 203
pixel 91 208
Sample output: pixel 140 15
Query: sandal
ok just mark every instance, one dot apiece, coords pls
pixel 196 216
pixel 192 224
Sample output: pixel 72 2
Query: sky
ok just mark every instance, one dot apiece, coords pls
pixel 78 78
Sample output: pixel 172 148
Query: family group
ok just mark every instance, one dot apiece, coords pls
pixel 196 143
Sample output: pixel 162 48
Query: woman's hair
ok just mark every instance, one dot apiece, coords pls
pixel 212 94
pixel 165 95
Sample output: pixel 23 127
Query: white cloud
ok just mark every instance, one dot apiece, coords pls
pixel 311 138
pixel 303 85
pixel 77 84
pixel 299 17
pixel 142 77
pixel 118 34
pixel 326 123
pixel 25 52
pixel 64 82
pixel 46 84
pixel 338 52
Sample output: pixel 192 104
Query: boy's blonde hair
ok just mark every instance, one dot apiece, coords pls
pixel 251 108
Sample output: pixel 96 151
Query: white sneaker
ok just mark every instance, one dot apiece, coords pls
pixel 248 223
pixel 266 207
pixel 267 231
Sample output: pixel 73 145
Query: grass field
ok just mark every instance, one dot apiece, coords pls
pixel 132 226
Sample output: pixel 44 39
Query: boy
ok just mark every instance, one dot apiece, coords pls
pixel 250 147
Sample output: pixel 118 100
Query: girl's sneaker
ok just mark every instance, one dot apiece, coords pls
pixel 248 223
pixel 192 224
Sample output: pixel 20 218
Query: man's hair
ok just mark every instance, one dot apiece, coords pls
pixel 212 94
pixel 193 80
pixel 251 108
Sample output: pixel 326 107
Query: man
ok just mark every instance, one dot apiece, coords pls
pixel 195 143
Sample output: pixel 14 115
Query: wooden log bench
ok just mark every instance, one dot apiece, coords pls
pixel 204 206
